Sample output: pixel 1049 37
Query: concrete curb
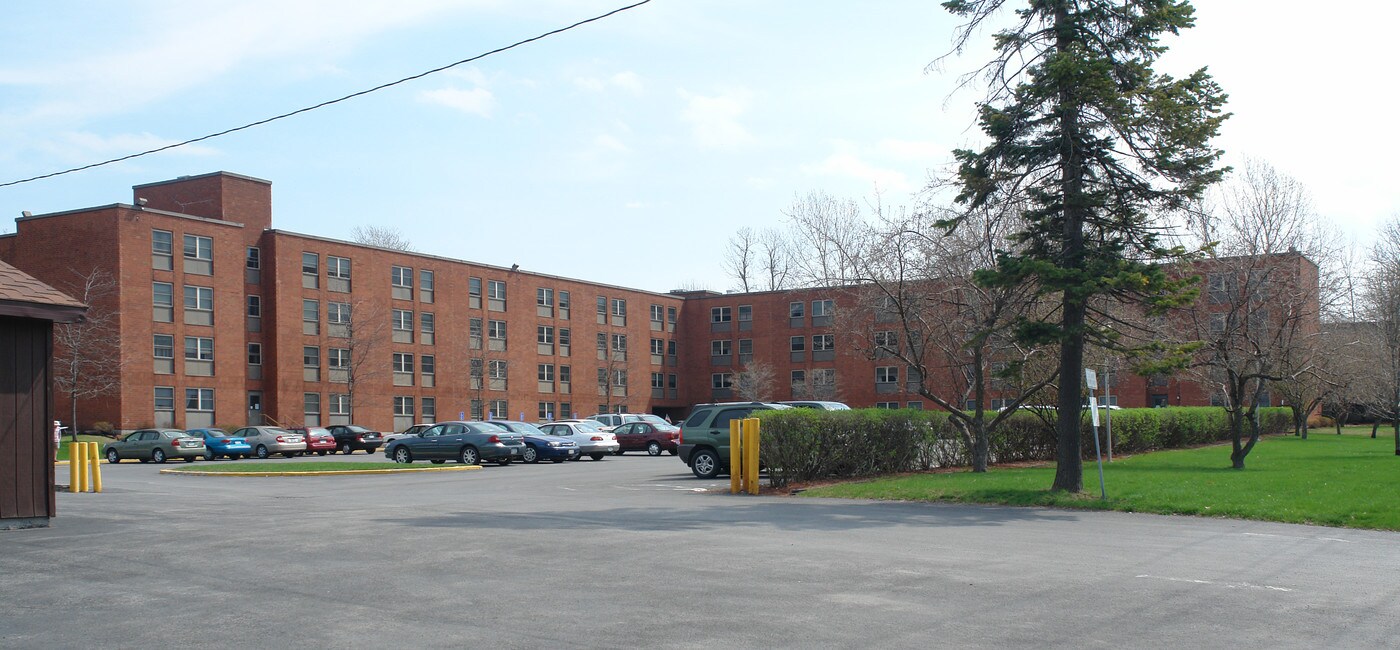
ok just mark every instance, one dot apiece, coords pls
pixel 406 470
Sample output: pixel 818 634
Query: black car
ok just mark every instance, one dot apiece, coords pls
pixel 349 437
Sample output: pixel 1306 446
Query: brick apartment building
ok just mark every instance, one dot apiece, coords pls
pixel 225 320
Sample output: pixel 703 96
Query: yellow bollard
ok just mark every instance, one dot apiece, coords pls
pixel 72 467
pixel 78 468
pixel 95 454
pixel 751 455
pixel 736 443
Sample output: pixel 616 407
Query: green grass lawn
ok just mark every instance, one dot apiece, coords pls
pixel 63 448
pixel 325 466
pixel 1348 480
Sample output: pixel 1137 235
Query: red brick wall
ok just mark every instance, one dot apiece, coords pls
pixel 219 195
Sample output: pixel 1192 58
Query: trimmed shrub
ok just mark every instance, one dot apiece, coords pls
pixel 809 444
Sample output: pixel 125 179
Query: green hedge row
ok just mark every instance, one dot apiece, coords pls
pixel 807 444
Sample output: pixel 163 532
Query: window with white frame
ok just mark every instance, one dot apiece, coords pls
pixel 338 358
pixel 428 410
pixel 427 327
pixel 199 348
pixel 199 399
pixel 255 354
pixel 199 248
pixel 720 315
pixel 403 320
pixel 719 348
pixel 474 293
pixel 822 308
pixel 339 404
pixel 165 398
pixel 657 313
pixel 425 285
pixel 163 302
pixel 401 282
pixel 500 409
pixel 745 313
pixel 162 249
pixel 311 409
pixel 164 346
pixel 496 295
pixel 253 261
pixel 403 363
pixel 721 380
pixel 199 298
pixel 545 372
pixel 797 310
pixel 823 342
pixel 338 267
pixel 310 264
pixel 887 375
pixel 254 306
pixel 496 369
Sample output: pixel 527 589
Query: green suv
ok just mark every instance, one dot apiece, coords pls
pixel 704 444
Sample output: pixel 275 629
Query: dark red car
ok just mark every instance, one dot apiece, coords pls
pixel 318 440
pixel 651 437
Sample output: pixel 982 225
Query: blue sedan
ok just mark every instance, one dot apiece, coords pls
pixel 219 443
pixel 540 445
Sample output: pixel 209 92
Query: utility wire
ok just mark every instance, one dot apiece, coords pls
pixel 328 103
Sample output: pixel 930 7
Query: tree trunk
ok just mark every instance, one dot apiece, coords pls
pixel 1236 436
pixel 1237 458
pixel 980 445
pixel 1374 426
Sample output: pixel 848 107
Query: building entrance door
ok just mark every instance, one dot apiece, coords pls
pixel 255 416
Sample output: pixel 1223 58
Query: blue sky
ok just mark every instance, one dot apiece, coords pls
pixel 627 151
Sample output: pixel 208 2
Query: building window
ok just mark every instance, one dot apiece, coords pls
pixel 564 305
pixel 544 339
pixel 162 250
pixel 474 293
pixel 496 369
pixel 671 316
pixel 200 248
pixel 496 335
pixel 255 354
pixel 403 407
pixel 425 286
pixel 403 363
pixel 427 327
pixel 163 302
pixel 619 310
pixel 545 372
pixel 311 409
pixel 339 404
pixel 495 295
pixel 719 315
pixel 254 259
pixel 718 348
pixel 337 313
pixel 886 405
pixel 499 409
pixel 799 378
pixel 797 344
pixel 165 398
pixel 544 302
pixel 164 346
pixel 199 399
pixel 338 274
pixel 721 381
pixel 619 347
pixel 429 410
pixel 474 333
pixel 338 358
pixel 823 342
pixel 199 299
pixel 401 282
pixel 427 365
pixel 745 313
pixel 310 317
pixel 546 411
pixel 402 324
pixel 254 306
pixel 797 310
pixel 311 363
pixel 198 348
pixel 656 313
pixel 822 308
pixel 602 310
pixel 658 381
pixel 310 271
pixel 886 375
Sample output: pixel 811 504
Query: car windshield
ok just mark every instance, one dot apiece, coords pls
pixel 277 431
pixel 654 419
pixel 355 429
pixel 175 434
pixel 587 427
pixel 490 427
pixel 211 433
pixel 521 427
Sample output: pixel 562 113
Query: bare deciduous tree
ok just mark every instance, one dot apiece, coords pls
pixel 740 258
pixel 755 383
pixel 366 334
pixel 830 233
pixel 381 237
pixel 1381 309
pixel 87 354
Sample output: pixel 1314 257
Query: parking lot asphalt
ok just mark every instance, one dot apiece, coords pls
pixel 635 552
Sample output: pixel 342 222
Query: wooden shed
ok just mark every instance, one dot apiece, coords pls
pixel 28 310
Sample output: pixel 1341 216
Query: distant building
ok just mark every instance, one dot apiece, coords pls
pixel 226 321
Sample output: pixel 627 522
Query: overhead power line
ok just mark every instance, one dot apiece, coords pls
pixel 329 102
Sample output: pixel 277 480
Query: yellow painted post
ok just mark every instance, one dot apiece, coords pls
pixel 736 445
pixel 751 455
pixel 94 454
pixel 80 470
pixel 73 464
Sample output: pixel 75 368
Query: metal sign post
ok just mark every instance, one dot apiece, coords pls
pixel 1108 412
pixel 1092 381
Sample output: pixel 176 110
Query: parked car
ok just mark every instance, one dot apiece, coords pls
pixel 817 404
pixel 350 437
pixel 218 442
pixel 318 439
pixel 649 436
pixel 540 445
pixel 468 442
pixel 156 445
pixel 589 435
pixel 411 431
pixel 610 421
pixel 704 443
pixel 267 441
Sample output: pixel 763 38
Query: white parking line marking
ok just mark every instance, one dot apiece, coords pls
pixel 1227 585
pixel 1324 539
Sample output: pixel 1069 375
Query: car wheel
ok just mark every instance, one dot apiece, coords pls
pixel 530 455
pixel 618 452
pixel 158 455
pixel 403 455
pixel 705 464
pixel 209 455
pixel 597 456
pixel 503 462
pixel 189 459
pixel 113 457
pixel 469 456
pixel 347 449
pixel 653 448
pixel 262 451
pixel 675 452
pixel 321 453
pixel 289 454
pixel 438 461
pixel 557 460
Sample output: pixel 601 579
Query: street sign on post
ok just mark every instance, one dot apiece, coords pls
pixel 1091 379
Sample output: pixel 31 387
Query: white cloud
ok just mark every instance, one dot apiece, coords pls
pixel 914 149
pixel 714 121
pixel 476 101
pixel 628 81
pixel 82 145
pixel 851 166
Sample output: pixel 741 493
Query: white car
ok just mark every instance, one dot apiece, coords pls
pixel 612 421
pixel 589 435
